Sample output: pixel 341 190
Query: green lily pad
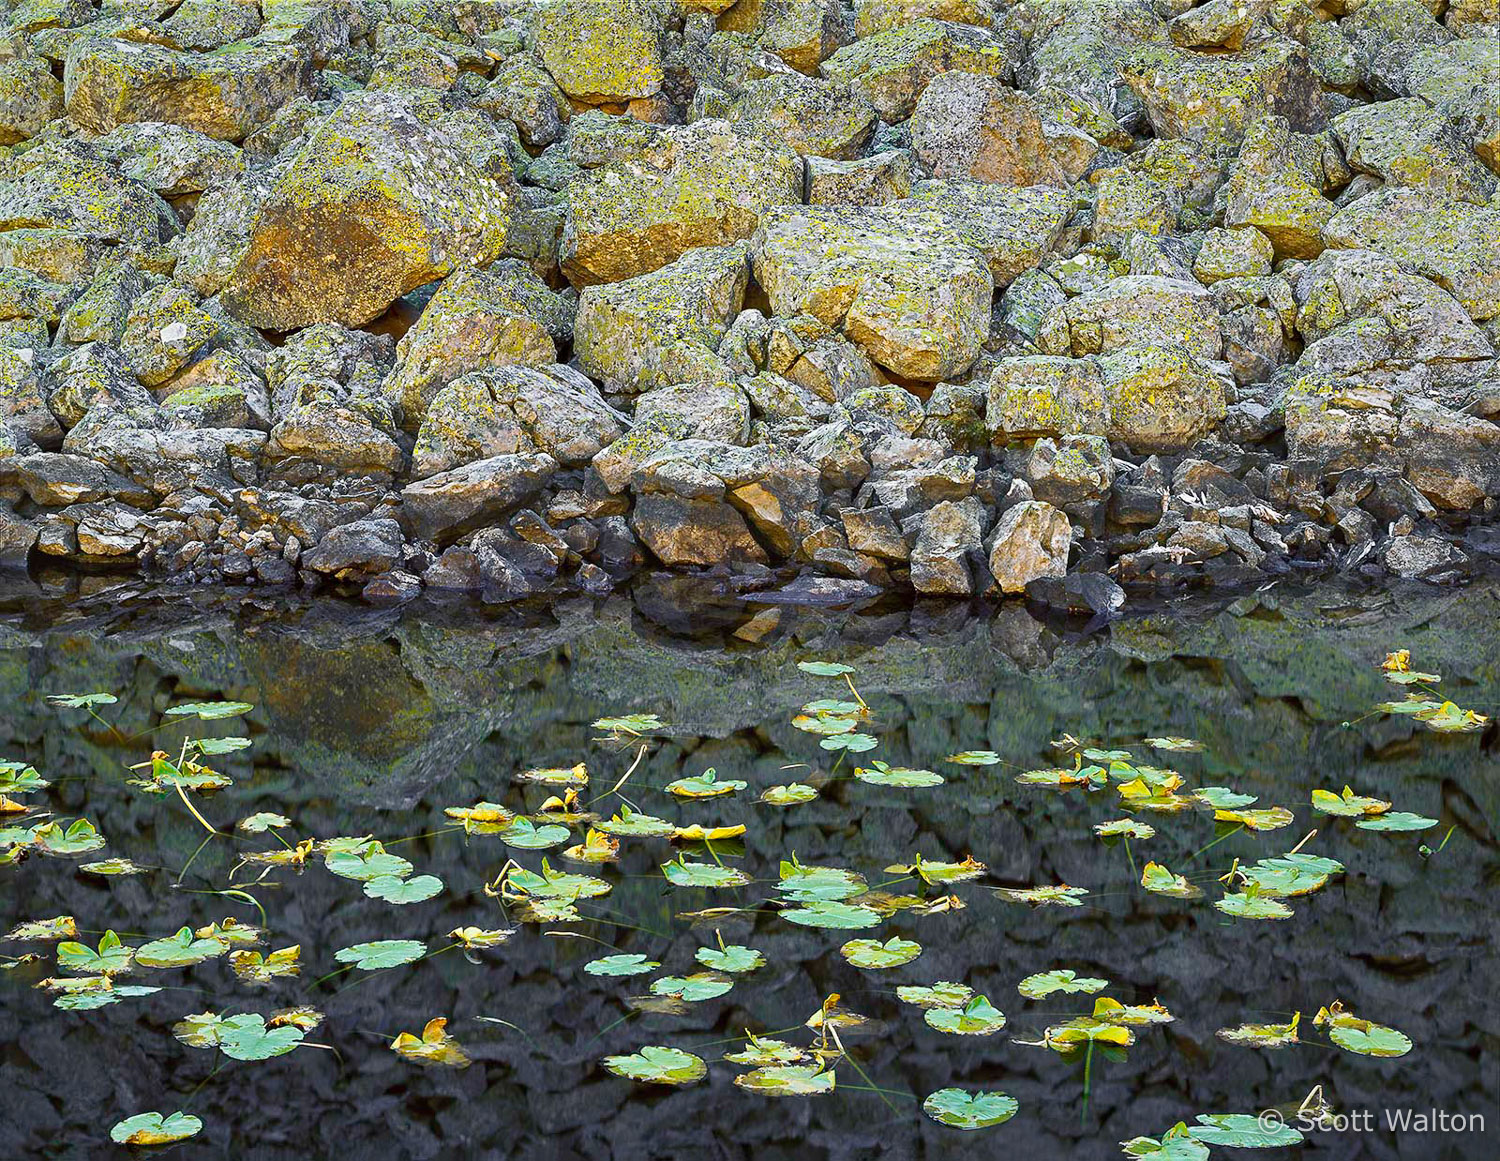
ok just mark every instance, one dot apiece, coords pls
pixel 845 916
pixel 180 950
pixel 1243 905
pixel 1397 820
pixel 788 1080
pixel 962 1110
pixel 630 724
pixel 154 1129
pixel 1059 980
pixel 854 743
pixel 1223 798
pixel 1242 1131
pixel 655 1064
pixel 78 838
pixel 942 994
pixel 825 668
pixel 623 964
pixel 633 824
pixel 370 862
pixel 382 953
pixel 263 821
pixel 872 954
pixel 974 758
pixel 113 868
pixel 760 1052
pixel 526 835
pixel 694 988
pixel 789 795
pixel 978 1017
pixel 879 774
pixel 705 785
pixel 209 711
pixel 733 958
pixel 682 873
pixel 803 884
pixel 1173 1145
pixel 394 890
pixel 80 700
pixel 111 957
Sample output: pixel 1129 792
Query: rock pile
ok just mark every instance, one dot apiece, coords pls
pixel 946 296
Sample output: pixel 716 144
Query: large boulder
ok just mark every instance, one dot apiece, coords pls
pixel 968 125
pixel 802 33
pixel 1134 309
pixel 224 94
pixel 448 504
pixel 30 98
pixel 904 286
pixel 1161 397
pixel 700 185
pixel 1407 143
pixel 808 115
pixel 474 321
pixel 375 203
pixel 1031 540
pixel 602 50
pixel 654 329
pixel 1014 227
pixel 893 68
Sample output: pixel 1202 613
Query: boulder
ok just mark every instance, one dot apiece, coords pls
pixel 968 125
pixel 1131 310
pixel 375 203
pixel 893 68
pixel 601 50
pixel 357 550
pixel 719 412
pixel 444 506
pixel 1162 398
pixel 808 115
pixel 803 33
pixel 30 98
pixel 1407 143
pixel 949 534
pixel 24 414
pixel 1034 396
pixel 224 94
pixel 650 330
pixel 904 287
pixel 1031 540
pixel 1014 227
pixel 705 185
pixel 870 181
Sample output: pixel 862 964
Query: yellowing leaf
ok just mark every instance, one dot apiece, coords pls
pixel 434 1046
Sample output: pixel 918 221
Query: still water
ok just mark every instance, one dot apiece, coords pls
pixel 373 722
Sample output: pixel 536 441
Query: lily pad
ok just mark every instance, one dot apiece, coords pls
pixel 942 994
pixel 1244 905
pixel 1242 1131
pixel 110 958
pixel 624 964
pixel 682 873
pixel 1059 980
pixel 962 1110
pixel 655 1064
pixel 180 950
pixel 733 958
pixel 873 955
pixel 526 835
pixel 705 785
pixel 633 824
pixel 209 711
pixel 844 916
pixel 879 774
pixel 694 988
pixel 394 890
pixel 1397 820
pixel 825 668
pixel 370 862
pixel 788 1080
pixel 789 795
pixel 382 953
pixel 978 1017
pixel 974 758
pixel 854 743
pixel 434 1047
pixel 154 1129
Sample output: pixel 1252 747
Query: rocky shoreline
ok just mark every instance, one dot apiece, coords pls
pixel 940 296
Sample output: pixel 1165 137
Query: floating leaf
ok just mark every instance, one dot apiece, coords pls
pixel 940 873
pixel 78 838
pixel 624 964
pixel 805 884
pixel 733 958
pixel 526 835
pixel 1094 777
pixel 1348 804
pixel 852 743
pixel 209 711
pixel 1248 905
pixel 655 1064
pixel 1291 874
pixel 263 821
pixel 394 890
pixel 1060 896
pixel 557 775
pixel 1160 881
pixel 825 668
pixel 939 995
pixel 1242 1131
pixel 694 988
pixel 304 1018
pixel 479 938
pixel 240 1037
pixel 153 1128
pixel 111 958
pixel 961 1110
pixel 829 914
pixel 60 927
pixel 1115 1012
pixel 697 833
pixel 1363 1037
pixel 255 968
pixel 221 745
pixel 788 1080
pixel 879 774
pixel 633 724
pixel 825 724
pixel 681 873
pixel 1271 818
pixel 80 700
pixel 636 825
pixel 180 950
pixel 231 931
pixel 974 758
pixel 1125 827
pixel 112 868
pixel 978 1017
pixel 597 847
pixel 1175 745
pixel 1397 820
pixel 1222 797
pixel 1059 980
pixel 761 1052
pixel 1174 1145
pixel 550 884
pixel 382 953
pixel 434 1046
pixel 1262 1035
pixel 789 795
pixel 705 785
pixel 874 955
pixel 372 861
pixel 1082 1030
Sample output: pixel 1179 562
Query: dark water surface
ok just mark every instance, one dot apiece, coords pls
pixel 371 722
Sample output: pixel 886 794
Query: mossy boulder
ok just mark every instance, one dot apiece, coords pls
pixel 171 159
pixel 377 202
pixel 225 93
pixel 1014 227
pixel 473 322
pixel 601 50
pixel 900 283
pixel 1277 185
pixel 630 335
pixel 1134 309
pixel 803 33
pixel 1461 79
pixel 970 126
pixel 892 69
pixel 1031 540
pixel 810 116
pixel 1162 398
pixel 164 330
pixel 30 98
pixel 874 16
pixel 24 415
pixel 1035 396
pixel 700 185
pixel 1408 143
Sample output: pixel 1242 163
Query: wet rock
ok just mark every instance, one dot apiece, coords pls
pixel 1080 592
pixel 1031 540
pixel 700 185
pixel 362 548
pixel 661 327
pixel 1421 556
pixel 908 291
pixel 375 203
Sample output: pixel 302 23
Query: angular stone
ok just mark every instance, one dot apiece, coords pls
pixel 1406 143
pixel 968 126
pixel 1132 310
pixel 630 334
pixel 1031 540
pixel 949 533
pixel 892 69
pixel 683 531
pixel 23 409
pixel 809 116
pixel 1161 397
pixel 905 288
pixel 1041 395
pixel 363 548
pixel 871 181
pixel 444 506
pixel 601 50
pixel 30 98
pixel 705 185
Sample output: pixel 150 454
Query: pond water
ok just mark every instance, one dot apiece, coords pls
pixel 371 722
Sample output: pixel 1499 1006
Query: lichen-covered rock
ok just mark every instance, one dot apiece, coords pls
pixel 376 202
pixel 810 116
pixel 870 181
pixel 1074 473
pixel 873 16
pixel 1277 185
pixel 1212 98
pixel 164 330
pixel 903 286
pixel 1455 243
pixel 224 94
pixel 701 185
pixel 602 50
pixel 171 159
pixel 524 93
pixel 444 506
pixel 30 98
pixel 358 549
pixel 719 412
pixel 893 68
pixel 473 322
pixel 1031 540
pixel 1161 398
pixel 1130 310
pixel 1387 34
pixel 1239 253
pixel 23 411
pixel 1036 396
pixel 649 331
pixel 802 33
pixel 512 410
pixel 949 534
pixel 1406 143
pixel 966 125
pixel 1461 79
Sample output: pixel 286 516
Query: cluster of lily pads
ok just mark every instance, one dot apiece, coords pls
pixel 817 897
